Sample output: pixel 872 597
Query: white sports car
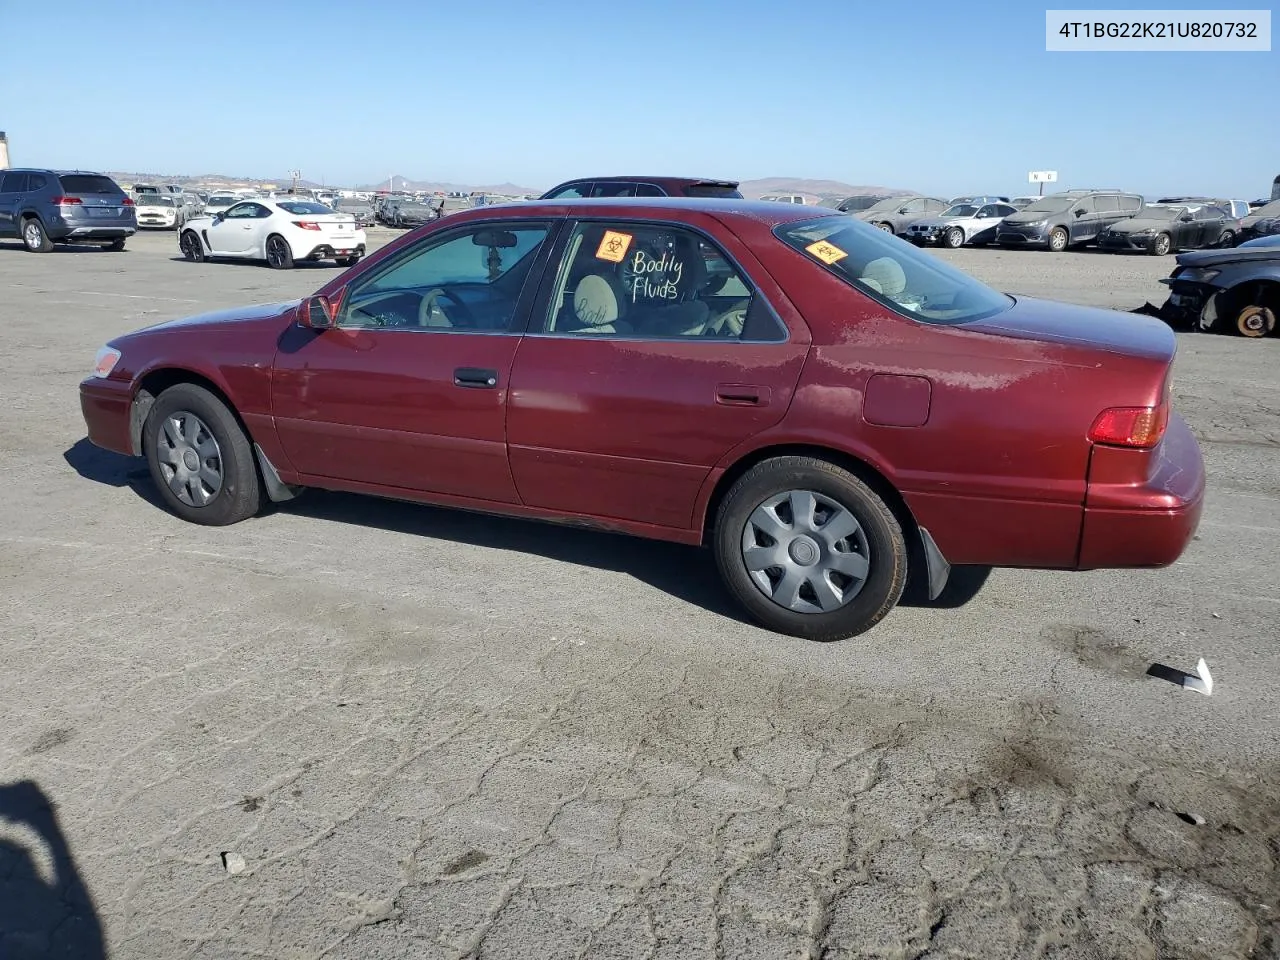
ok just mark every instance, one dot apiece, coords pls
pixel 280 232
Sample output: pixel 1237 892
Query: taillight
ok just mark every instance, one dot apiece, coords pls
pixel 1141 427
pixel 127 202
pixel 306 224
pixel 66 201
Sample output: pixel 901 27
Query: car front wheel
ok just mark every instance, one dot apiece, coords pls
pixel 1161 246
pixel 200 459
pixel 809 550
pixel 954 238
pixel 1058 239
pixel 191 247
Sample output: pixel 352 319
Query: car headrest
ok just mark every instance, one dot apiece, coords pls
pixel 598 301
pixel 884 275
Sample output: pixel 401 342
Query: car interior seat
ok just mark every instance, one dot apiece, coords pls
pixel 884 275
pixel 683 313
pixel 599 303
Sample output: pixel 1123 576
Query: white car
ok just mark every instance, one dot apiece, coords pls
pixel 159 210
pixel 280 232
pixel 960 224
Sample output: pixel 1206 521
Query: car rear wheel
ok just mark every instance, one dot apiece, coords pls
pixel 1058 239
pixel 34 237
pixel 200 459
pixel 279 256
pixel 954 237
pixel 191 247
pixel 810 550
pixel 1228 239
pixel 1255 321
pixel 116 245
pixel 348 261
pixel 1161 246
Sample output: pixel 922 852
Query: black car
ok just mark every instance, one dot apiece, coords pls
pixel 1261 222
pixel 633 186
pixel 1164 227
pixel 1227 291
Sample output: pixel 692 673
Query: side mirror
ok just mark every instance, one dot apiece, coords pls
pixel 1078 212
pixel 1186 218
pixel 316 313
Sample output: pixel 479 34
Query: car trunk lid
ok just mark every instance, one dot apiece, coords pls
pixel 1069 325
pixel 92 195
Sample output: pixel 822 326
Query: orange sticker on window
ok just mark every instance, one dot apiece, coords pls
pixel 826 252
pixel 614 246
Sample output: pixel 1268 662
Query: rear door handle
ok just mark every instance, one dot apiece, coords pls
pixel 475 378
pixel 741 395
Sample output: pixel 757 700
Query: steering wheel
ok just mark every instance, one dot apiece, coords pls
pixel 431 314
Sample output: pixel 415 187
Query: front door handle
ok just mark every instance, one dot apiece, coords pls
pixel 741 395
pixel 475 378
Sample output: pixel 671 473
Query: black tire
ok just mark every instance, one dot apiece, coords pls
pixel 1161 245
pixel 887 549
pixel 34 236
pixel 1227 240
pixel 279 254
pixel 953 238
pixel 886 227
pixel 1059 239
pixel 348 261
pixel 240 494
pixel 116 245
pixel 191 247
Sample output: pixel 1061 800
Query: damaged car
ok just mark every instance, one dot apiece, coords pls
pixel 1162 228
pixel 1261 222
pixel 960 224
pixel 1226 291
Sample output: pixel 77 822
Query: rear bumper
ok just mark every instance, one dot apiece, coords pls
pixel 1150 524
pixel 107 406
pixel 325 251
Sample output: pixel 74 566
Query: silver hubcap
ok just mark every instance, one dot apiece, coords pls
pixel 33 235
pixel 805 552
pixel 190 459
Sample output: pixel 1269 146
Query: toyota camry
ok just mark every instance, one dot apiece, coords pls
pixel 836 414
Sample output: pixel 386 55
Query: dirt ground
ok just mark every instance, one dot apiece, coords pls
pixel 360 729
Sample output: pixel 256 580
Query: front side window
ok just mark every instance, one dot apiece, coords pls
pixel 467 281
pixel 899 275
pixel 654 281
pixel 242 211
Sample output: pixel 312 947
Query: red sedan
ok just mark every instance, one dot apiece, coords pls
pixel 830 409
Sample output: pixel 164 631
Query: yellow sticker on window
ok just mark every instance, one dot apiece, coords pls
pixel 826 252
pixel 614 246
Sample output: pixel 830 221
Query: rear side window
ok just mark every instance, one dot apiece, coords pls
pixel 909 281
pixel 1107 204
pixel 1130 204
pixel 572 192
pixel 711 190
pixel 13 183
pixel 74 183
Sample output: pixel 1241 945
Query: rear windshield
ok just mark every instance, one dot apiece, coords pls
pixel 88 183
pixel 711 190
pixel 898 274
pixel 155 200
pixel 303 206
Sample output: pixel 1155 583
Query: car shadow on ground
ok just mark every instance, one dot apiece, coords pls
pixel 262 264
pixel 65 247
pixel 45 908
pixel 687 573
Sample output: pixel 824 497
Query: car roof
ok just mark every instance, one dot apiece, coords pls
pixel 657 208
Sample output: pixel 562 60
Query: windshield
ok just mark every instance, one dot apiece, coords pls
pixel 216 201
pixel 303 206
pixel 912 282
pixel 857 204
pixel 711 190
pixel 960 210
pixel 1160 211
pixel 1050 205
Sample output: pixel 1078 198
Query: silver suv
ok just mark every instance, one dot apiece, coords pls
pixel 44 207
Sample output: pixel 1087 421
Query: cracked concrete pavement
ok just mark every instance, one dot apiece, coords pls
pixel 360 729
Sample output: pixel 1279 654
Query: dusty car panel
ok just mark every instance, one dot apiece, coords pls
pixel 1226 291
pixel 653 367
pixel 960 224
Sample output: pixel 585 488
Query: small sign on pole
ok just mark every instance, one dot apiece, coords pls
pixel 1042 177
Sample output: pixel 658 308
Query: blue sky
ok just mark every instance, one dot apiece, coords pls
pixel 942 97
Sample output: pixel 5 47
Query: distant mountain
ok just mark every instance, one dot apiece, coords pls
pixel 398 182
pixel 813 190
